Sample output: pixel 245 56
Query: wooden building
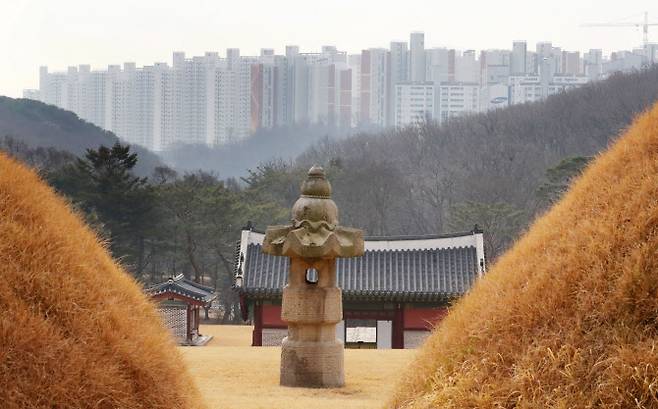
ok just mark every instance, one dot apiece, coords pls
pixel 398 289
pixel 180 300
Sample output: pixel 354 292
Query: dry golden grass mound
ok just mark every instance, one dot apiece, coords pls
pixel 568 318
pixel 75 330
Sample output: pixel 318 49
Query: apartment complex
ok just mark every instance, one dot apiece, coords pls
pixel 214 100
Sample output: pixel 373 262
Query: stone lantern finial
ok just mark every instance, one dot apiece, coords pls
pixel 316 184
pixel 314 232
pixel 311 355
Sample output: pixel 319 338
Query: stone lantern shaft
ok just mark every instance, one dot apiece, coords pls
pixel 311 355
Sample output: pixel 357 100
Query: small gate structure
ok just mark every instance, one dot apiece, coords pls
pixel 180 300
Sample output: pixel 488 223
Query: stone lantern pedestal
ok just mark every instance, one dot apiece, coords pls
pixel 311 355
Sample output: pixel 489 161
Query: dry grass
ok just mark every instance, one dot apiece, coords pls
pixel 233 375
pixel 568 317
pixel 75 329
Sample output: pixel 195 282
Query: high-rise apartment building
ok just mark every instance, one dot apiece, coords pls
pixel 533 88
pixel 374 89
pixel 291 53
pixel 519 60
pixel 651 53
pixel 269 92
pixel 467 68
pixel 438 61
pixel 354 63
pixel 415 102
pixel 399 73
pixel 571 63
pixel 457 100
pixel 417 68
pixel 494 96
pixel 495 66
pixel 593 63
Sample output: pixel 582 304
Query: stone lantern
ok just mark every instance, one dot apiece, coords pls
pixel 311 355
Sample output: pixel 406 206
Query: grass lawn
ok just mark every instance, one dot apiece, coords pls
pixel 231 374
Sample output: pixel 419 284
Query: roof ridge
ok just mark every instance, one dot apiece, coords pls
pixel 407 237
pixel 198 285
pixel 395 249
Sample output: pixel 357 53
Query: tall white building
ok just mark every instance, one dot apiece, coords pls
pixel 52 87
pixel 651 53
pixel 593 63
pixel 439 62
pixel 129 104
pixel 354 62
pixel 269 92
pixel 232 99
pixel 399 73
pixel 417 69
pixel 374 87
pixel 533 88
pixel 495 66
pixel 415 102
pixel 322 92
pixel 519 64
pixel 467 68
pixel 572 64
pixel 531 62
pixel 623 61
pixel 342 110
pixel 399 62
pixel 299 76
pixel 92 95
pixel 291 55
pixel 458 99
pixel 316 80
pixel 544 51
pixel 163 108
pixel 494 96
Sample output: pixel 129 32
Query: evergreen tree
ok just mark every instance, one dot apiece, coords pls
pixel 558 178
pixel 103 184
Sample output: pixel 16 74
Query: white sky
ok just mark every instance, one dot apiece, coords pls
pixel 59 33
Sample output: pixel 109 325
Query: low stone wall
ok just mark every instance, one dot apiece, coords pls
pixel 273 336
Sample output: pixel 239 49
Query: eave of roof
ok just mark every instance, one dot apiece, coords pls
pixel 181 286
pixel 432 268
pixel 168 295
pixel 359 295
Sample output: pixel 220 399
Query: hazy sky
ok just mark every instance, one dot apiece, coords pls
pixel 59 33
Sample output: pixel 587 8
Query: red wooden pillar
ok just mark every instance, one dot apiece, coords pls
pixel 189 323
pixel 398 327
pixel 196 319
pixel 257 335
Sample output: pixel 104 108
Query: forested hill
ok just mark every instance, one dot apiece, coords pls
pixel 40 125
pixel 497 169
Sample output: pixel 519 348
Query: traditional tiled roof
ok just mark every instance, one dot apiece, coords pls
pixel 403 268
pixel 184 287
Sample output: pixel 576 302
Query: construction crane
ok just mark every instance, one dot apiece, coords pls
pixel 644 24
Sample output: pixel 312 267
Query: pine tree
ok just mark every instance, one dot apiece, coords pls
pixel 103 184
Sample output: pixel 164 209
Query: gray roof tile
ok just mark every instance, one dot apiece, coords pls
pixel 429 274
pixel 183 286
